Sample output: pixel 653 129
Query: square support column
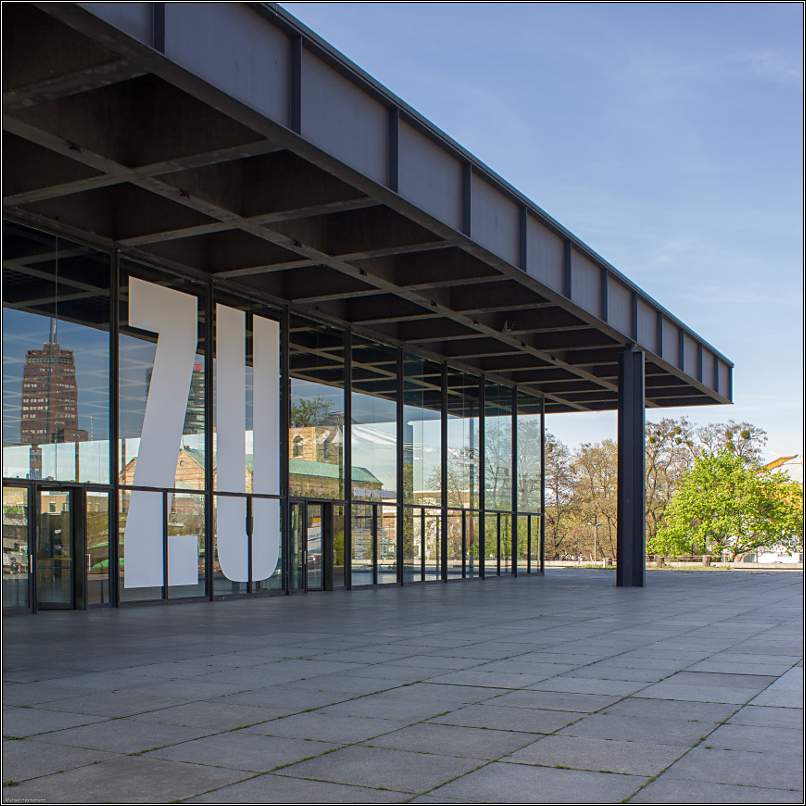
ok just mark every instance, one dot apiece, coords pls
pixel 630 535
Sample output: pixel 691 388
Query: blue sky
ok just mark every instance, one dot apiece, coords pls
pixel 667 136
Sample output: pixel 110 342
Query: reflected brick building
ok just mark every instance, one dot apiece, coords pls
pixel 50 397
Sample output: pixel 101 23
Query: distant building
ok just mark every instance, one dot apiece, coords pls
pixel 194 414
pixel 308 478
pixel 791 465
pixel 49 409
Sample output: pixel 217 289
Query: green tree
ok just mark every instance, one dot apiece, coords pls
pixel 595 469
pixel 670 450
pixel 306 413
pixel 560 485
pixel 723 504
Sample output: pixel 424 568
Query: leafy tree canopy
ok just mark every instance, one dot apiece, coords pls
pixel 724 504
pixel 310 412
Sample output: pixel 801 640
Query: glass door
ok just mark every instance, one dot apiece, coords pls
pixel 315 525
pixel 16 562
pixel 55 555
pixel 296 549
pixel 310 533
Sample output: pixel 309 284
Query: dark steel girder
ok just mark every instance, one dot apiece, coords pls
pixel 337 243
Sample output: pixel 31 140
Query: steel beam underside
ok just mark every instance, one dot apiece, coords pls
pixel 126 141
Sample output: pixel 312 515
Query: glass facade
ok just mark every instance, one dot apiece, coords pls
pixel 167 439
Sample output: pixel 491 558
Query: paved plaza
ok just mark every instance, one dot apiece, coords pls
pixel 554 689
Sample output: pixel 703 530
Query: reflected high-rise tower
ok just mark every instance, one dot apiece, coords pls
pixel 50 396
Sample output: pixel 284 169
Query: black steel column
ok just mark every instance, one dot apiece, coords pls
pixel 347 454
pixel 443 495
pixel 631 552
pixel 113 508
pixel 401 475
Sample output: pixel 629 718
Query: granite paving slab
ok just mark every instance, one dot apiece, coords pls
pixel 22 722
pixel 599 755
pixel 757 738
pixel 380 767
pixel 678 691
pixel 777 698
pixel 271 788
pixel 430 690
pixel 454 740
pixel 771 717
pixel 125 735
pixel 580 685
pixel 501 782
pixel 653 730
pixel 243 750
pixel 23 760
pixel 327 727
pixel 673 790
pixel 123 779
pixel 528 720
pixel 213 715
pixel 379 706
pixel 553 700
pixel 774 771
pixel 671 709
pixel 477 677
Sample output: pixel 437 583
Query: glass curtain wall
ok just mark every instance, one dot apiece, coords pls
pixel 497 474
pixel 316 428
pixel 463 471
pixel 374 443
pixel 529 480
pixel 16 524
pixel 56 311
pixel 186 484
pixel 422 453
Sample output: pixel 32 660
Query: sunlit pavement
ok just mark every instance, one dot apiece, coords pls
pixel 554 689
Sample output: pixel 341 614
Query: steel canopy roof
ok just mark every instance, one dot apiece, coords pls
pixel 228 140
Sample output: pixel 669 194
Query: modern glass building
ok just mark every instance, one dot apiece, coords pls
pixel 266 330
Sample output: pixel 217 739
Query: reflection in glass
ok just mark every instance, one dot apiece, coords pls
pixel 314 532
pixel 387 545
pixel 433 544
pixel 15 548
pixel 422 431
pixel 505 543
pixel 97 531
pixel 54 550
pixel 492 544
pixel 530 452
pixel 269 508
pixel 497 447
pixel 455 543
pixel 316 432
pixel 463 440
pixel 412 544
pixel 338 546
pixel 374 426
pixel 471 544
pixel 55 358
pixel 186 529
pixel 535 553
pixel 363 544
pixel 523 544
